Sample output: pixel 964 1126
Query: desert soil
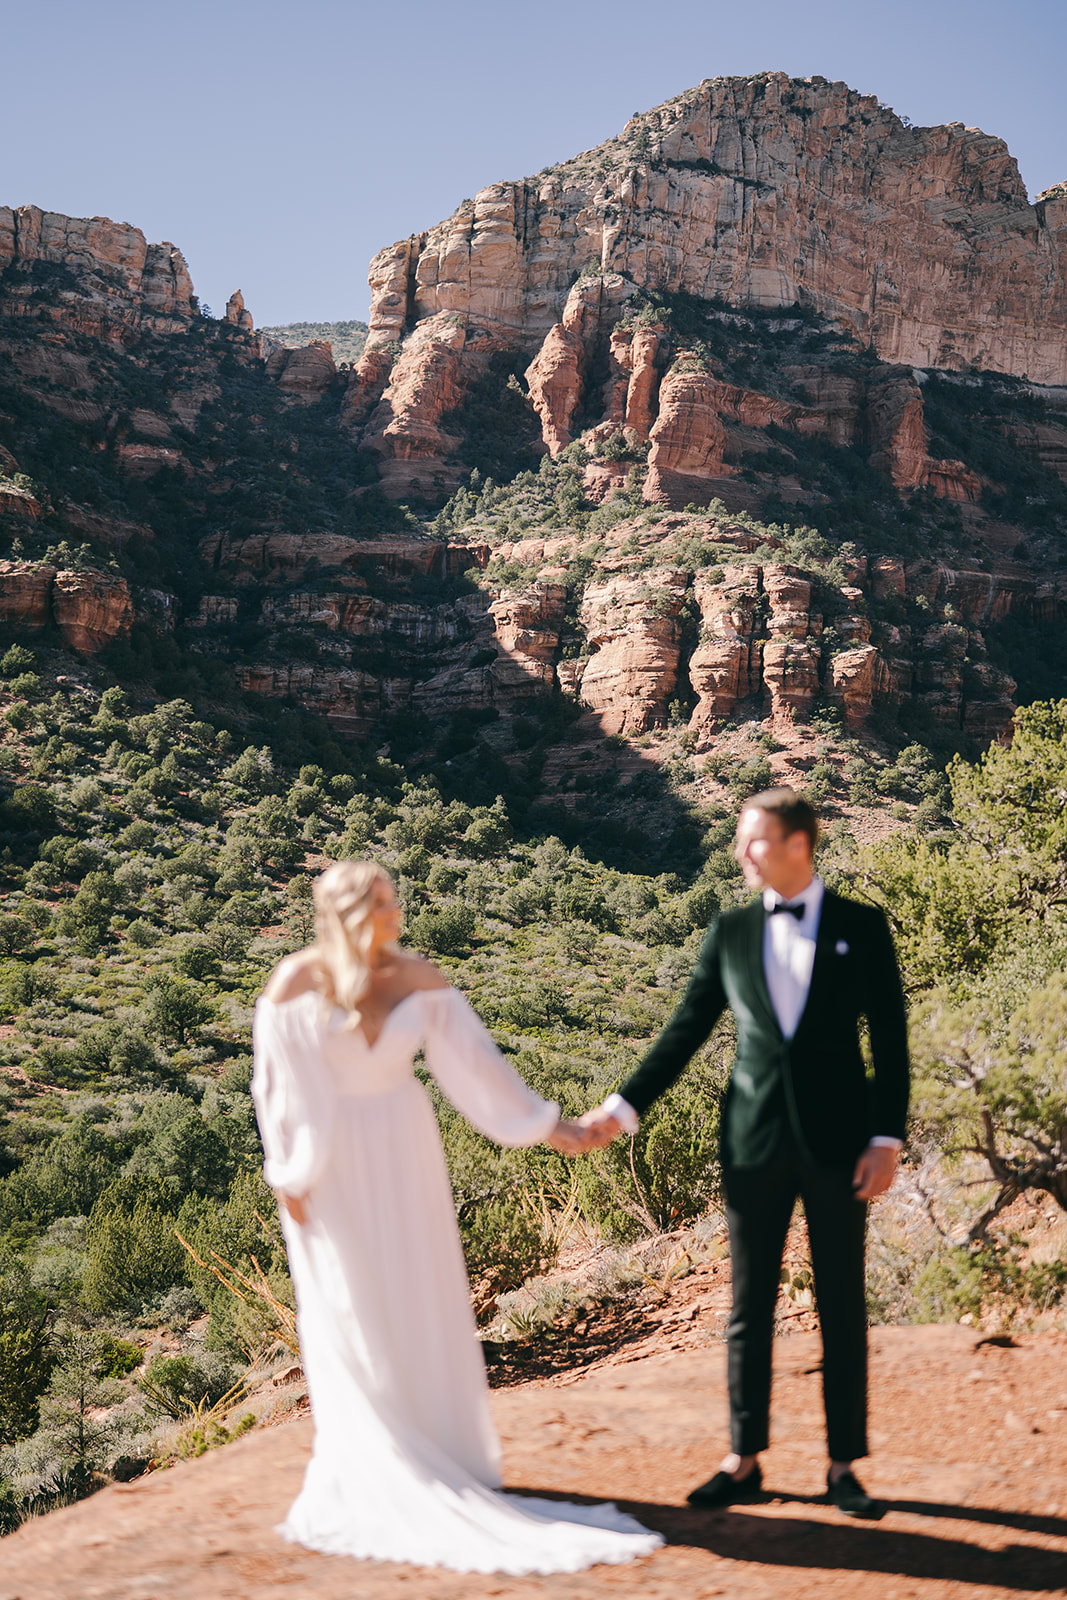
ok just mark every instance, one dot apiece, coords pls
pixel 969 1451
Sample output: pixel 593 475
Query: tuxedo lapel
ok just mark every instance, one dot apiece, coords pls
pixel 754 962
pixel 826 956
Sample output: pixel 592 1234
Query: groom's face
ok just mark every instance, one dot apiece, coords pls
pixel 769 857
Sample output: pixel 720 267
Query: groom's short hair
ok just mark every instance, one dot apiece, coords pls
pixel 796 814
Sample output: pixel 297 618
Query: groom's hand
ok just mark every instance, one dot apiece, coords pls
pixel 875 1171
pixel 600 1126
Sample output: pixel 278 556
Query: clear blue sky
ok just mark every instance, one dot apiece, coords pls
pixel 281 145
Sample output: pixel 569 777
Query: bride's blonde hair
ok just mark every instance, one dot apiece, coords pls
pixel 344 930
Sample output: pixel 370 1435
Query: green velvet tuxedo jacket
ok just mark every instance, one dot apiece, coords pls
pixel 809 1094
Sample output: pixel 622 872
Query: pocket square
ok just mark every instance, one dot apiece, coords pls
pixel 841 947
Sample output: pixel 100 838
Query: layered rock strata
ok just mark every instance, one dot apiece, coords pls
pixel 753 638
pixel 118 279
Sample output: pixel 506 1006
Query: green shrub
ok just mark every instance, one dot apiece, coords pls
pixel 117 1357
pixel 132 1251
pixel 671 1174
pixel 487 836
pixel 503 1242
pixel 26 1349
pixel 176 1008
pixel 197 960
pixel 446 932
pixel 15 934
pixel 63 1179
pixel 17 659
pixel 177 1385
pixel 31 809
pixel 23 985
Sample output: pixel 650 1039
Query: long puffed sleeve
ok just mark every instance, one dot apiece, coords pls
pixel 478 1080
pixel 292 1094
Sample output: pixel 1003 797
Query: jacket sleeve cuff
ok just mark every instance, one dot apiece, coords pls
pixel 883 1141
pixel 623 1112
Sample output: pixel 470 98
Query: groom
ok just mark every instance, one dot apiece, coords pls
pixel 798 966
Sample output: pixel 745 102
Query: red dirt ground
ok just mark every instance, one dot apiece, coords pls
pixel 969 1443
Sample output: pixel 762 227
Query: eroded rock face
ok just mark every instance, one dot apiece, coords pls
pixel 631 626
pixel 764 191
pixel 91 609
pixel 306 373
pixel 118 278
pixel 526 629
pixel 721 668
pixel 569 355
pixel 403 430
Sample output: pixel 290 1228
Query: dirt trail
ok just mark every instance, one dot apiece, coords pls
pixel 969 1445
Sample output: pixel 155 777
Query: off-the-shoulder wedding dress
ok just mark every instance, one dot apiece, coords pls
pixel 406 1460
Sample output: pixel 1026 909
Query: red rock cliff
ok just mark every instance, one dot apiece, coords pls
pixel 763 191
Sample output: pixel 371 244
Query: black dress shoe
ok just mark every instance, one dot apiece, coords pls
pixel 849 1496
pixel 723 1490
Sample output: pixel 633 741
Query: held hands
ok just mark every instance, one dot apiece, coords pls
pixel 569 1138
pixel 874 1172
pixel 590 1132
pixel 600 1127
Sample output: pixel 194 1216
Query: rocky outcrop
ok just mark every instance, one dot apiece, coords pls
pixel 763 191
pixel 526 631
pixel 571 353
pixel 304 374
pixel 763 639
pixel 688 454
pixel 721 668
pixel 403 431
pixel 236 312
pixel 116 278
pixel 366 385
pixel 16 501
pixel 140 461
pixel 90 609
pixel 632 631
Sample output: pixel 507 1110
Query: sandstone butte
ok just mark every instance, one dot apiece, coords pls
pixel 764 191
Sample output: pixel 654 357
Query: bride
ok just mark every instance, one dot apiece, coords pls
pixel 406 1462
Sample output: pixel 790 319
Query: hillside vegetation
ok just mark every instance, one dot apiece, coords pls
pixel 346 338
pixel 157 863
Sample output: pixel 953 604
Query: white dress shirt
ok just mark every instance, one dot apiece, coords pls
pixel 788 960
pixel 789 953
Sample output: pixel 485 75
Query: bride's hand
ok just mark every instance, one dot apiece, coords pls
pixel 296 1205
pixel 569 1138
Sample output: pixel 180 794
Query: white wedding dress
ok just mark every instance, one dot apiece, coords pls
pixel 406 1460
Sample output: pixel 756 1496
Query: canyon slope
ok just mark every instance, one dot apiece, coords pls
pixel 756 415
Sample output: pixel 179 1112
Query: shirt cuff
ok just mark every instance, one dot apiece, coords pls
pixel 883 1141
pixel 623 1112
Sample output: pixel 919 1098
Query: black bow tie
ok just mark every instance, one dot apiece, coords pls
pixel 792 911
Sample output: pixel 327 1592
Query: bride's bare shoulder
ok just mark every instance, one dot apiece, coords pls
pixel 418 973
pixel 294 976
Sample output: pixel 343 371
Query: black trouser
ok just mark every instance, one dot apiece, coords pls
pixel 759 1206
